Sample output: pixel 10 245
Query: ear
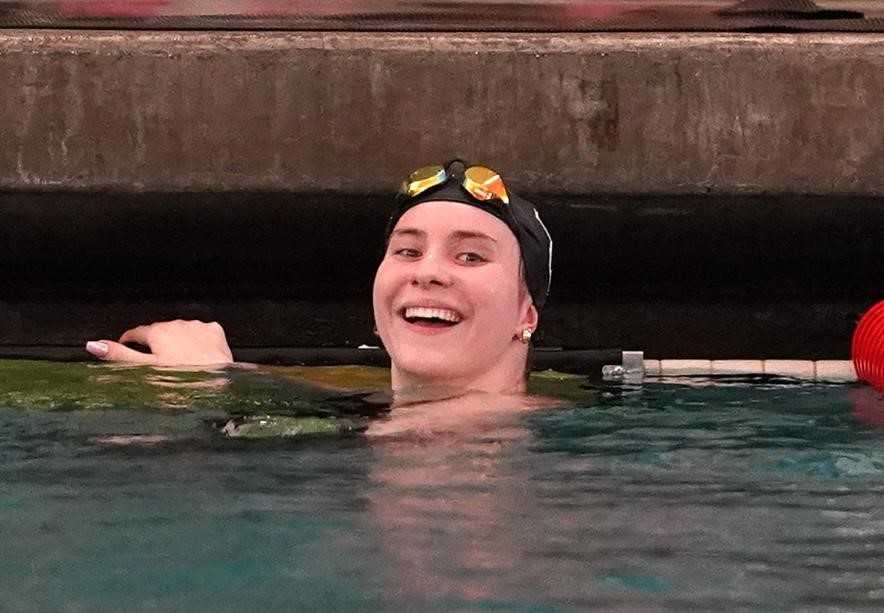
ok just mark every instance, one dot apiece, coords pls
pixel 530 318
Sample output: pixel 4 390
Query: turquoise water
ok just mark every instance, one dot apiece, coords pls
pixel 118 491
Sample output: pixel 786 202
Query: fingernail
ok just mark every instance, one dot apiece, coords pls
pixel 97 348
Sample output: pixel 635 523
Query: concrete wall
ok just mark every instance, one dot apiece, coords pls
pixel 560 113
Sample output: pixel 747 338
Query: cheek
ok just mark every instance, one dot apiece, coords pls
pixel 383 290
pixel 379 290
pixel 499 303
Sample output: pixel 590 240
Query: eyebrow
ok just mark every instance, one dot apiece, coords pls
pixel 409 232
pixel 464 234
pixel 456 235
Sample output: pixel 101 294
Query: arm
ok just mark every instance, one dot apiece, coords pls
pixel 171 343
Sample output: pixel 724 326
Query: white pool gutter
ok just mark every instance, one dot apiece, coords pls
pixel 634 365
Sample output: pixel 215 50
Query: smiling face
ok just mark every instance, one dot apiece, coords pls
pixel 449 299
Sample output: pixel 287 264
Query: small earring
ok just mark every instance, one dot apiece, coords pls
pixel 526 335
pixel 375 332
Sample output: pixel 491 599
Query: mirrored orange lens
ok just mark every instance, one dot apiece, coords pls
pixel 484 184
pixel 423 179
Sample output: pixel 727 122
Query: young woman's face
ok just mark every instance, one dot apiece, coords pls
pixel 449 297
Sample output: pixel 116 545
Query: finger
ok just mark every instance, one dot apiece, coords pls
pixel 138 334
pixel 110 351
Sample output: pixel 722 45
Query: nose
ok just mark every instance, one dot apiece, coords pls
pixel 431 271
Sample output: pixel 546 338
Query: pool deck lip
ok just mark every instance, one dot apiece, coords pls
pixel 812 370
pixel 834 371
pixel 584 361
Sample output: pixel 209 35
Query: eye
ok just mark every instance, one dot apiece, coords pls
pixel 470 257
pixel 407 252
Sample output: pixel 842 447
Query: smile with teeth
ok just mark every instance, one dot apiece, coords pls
pixel 431 316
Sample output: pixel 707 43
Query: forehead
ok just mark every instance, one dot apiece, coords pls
pixel 444 217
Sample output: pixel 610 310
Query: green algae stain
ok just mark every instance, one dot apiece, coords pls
pixel 54 386
pixel 249 403
pixel 346 377
pixel 51 386
pixel 559 385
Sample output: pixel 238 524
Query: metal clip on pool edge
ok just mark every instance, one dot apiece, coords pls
pixel 867 348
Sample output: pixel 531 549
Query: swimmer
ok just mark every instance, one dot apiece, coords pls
pixel 456 297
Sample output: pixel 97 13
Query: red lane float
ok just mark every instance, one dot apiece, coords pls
pixel 867 348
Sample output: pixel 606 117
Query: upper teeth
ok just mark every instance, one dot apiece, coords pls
pixel 427 313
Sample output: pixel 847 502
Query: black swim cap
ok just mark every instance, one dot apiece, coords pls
pixel 519 215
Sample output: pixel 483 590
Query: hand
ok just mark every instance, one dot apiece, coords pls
pixel 172 343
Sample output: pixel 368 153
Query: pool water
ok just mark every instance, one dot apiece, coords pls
pixel 119 491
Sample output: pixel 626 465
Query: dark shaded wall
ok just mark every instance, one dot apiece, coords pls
pixel 710 195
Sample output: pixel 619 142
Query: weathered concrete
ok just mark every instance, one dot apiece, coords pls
pixel 352 112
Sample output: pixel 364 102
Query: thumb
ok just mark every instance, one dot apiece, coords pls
pixel 109 351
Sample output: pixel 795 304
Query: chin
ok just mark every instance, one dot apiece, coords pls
pixel 429 366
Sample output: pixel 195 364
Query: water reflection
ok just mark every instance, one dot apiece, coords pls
pixel 446 500
pixel 662 496
pixel 868 406
pixel 451 519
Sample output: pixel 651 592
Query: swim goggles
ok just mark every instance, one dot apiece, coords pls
pixel 480 182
